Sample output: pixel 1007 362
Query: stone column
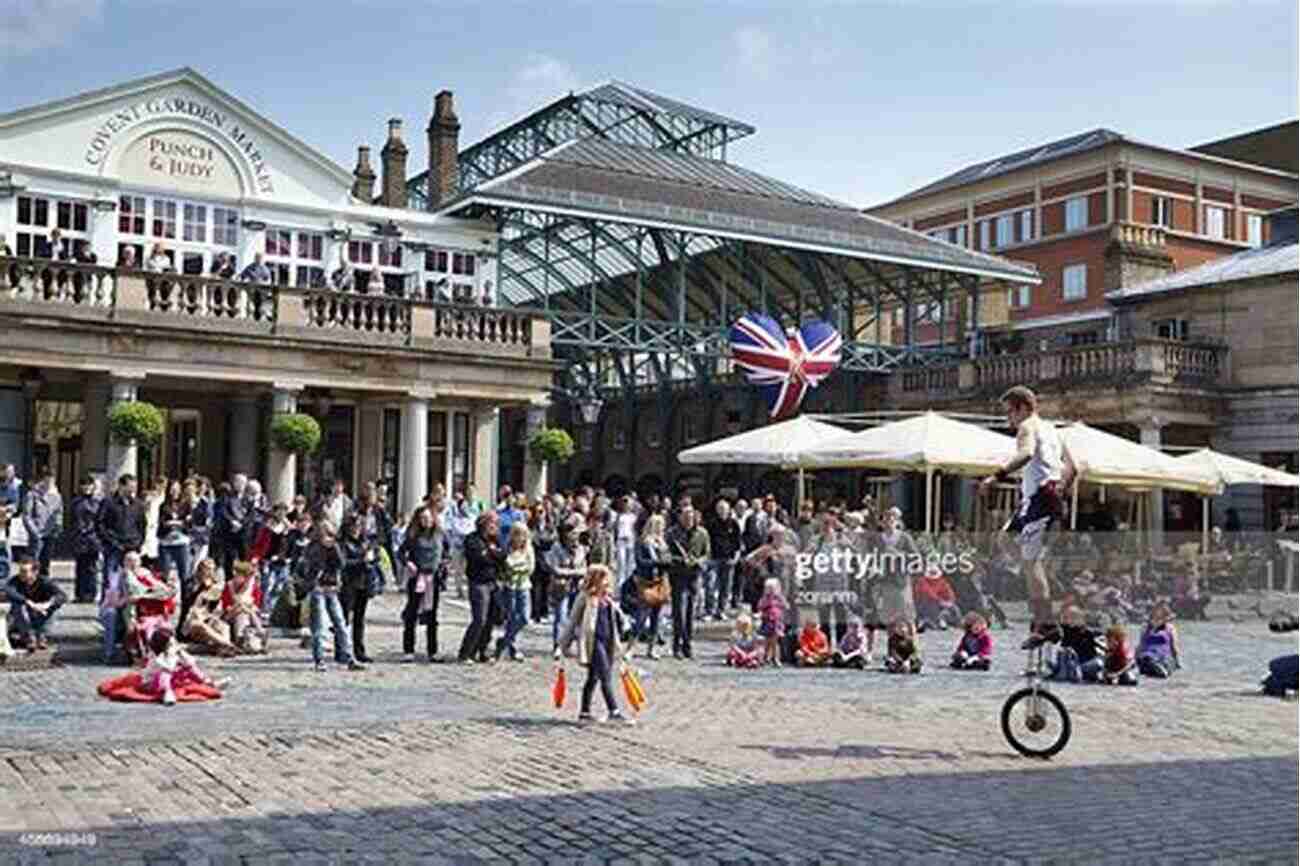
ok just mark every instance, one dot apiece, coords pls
pixel 121 456
pixel 415 451
pixel 94 426
pixel 282 475
pixel 535 472
pixel 484 456
pixel 1150 437
pixel 243 436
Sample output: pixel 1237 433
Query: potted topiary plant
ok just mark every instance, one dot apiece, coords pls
pixel 550 445
pixel 135 423
pixel 295 433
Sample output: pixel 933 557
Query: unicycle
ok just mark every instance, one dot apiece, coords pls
pixel 1034 720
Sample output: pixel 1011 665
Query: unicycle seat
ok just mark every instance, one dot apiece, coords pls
pixel 1052 634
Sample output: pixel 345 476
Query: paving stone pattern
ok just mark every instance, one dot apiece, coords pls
pixel 450 764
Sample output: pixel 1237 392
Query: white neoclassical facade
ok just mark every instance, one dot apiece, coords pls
pixel 122 212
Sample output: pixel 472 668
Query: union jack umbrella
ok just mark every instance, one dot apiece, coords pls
pixel 784 364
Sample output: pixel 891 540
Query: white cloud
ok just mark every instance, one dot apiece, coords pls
pixel 28 26
pixel 753 49
pixel 541 79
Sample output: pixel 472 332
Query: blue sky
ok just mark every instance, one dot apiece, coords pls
pixel 860 101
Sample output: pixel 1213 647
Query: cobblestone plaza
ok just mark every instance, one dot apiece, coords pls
pixel 465 764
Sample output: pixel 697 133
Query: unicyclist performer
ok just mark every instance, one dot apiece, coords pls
pixel 1040 453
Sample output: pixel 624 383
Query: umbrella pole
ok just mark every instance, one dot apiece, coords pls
pixel 929 490
pixel 1205 525
pixel 1074 506
pixel 798 494
pixel 938 503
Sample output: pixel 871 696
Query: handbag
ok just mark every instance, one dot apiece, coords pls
pixel 656 592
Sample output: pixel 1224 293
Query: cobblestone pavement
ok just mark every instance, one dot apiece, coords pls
pixel 443 763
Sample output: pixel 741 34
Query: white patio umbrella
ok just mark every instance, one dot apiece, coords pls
pixel 1229 470
pixel 785 444
pixel 924 443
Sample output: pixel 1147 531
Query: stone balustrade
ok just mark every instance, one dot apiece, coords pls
pixel 218 305
pixel 53 282
pixel 1149 359
pixel 1138 235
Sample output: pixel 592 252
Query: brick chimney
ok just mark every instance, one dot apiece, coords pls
pixel 393 157
pixel 444 145
pixel 363 182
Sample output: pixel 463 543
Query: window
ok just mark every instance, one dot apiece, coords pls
pixel 958 235
pixel 195 227
pixel 296 254
pixel 164 218
pixel 389 259
pixel 1162 211
pixel 462 264
pixel 1019 297
pixel 620 438
pixel 225 227
pixel 279 242
pixel 984 234
pixel 1005 226
pixel 1074 282
pixel 938 234
pixel 1254 229
pixel 1170 329
pixel 436 261
pixel 1026 225
pixel 691 427
pixel 359 252
pixel 652 437
pixel 1083 338
pixel 1076 214
pixel 130 215
pixel 1214 221
pixel 72 216
pixel 311 246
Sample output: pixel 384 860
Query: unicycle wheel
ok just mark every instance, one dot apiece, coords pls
pixel 1035 723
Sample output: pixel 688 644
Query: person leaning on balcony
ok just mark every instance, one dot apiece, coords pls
pixel 159 262
pixel 223 266
pixel 126 259
pixel 83 254
pixel 256 272
pixel 344 278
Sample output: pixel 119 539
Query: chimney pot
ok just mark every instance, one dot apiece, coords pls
pixel 363 183
pixel 394 160
pixel 444 144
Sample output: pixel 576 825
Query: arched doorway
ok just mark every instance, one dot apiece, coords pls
pixel 690 484
pixel 616 486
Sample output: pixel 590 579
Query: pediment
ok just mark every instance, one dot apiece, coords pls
pixel 171 131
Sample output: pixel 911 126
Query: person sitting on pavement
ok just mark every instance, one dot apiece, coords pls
pixel 904 649
pixel 241 603
pixel 975 649
pixel 744 651
pixel 171 667
pixel 33 601
pixel 852 651
pixel 814 649
pixel 1119 668
pixel 1079 658
pixel 1158 653
pixel 203 625
pixel 150 604
pixel 1283 676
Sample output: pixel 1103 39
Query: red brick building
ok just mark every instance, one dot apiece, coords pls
pixel 1094 212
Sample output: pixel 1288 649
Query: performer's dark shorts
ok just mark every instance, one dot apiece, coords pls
pixel 1034 517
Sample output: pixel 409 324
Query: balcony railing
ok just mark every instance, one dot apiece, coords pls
pixel 1151 360
pixel 50 282
pixel 208 303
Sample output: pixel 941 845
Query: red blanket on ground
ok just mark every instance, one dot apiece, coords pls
pixel 132 687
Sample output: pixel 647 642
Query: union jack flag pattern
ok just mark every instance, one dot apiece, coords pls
pixel 784 364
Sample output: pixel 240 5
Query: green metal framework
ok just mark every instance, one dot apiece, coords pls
pixel 640 306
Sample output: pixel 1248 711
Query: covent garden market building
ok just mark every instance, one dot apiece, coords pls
pixel 164 242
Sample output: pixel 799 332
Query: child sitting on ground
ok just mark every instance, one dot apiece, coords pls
pixel 1078 659
pixel 852 651
pixel 814 650
pixel 975 649
pixel 771 610
pixel 171 668
pixel 744 651
pixel 904 649
pixel 1158 654
pixel 1119 668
